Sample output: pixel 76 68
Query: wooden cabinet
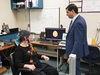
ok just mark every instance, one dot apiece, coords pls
pixel 25 4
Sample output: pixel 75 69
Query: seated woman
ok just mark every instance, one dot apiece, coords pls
pixel 27 57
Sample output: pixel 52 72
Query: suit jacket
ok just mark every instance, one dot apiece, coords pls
pixel 76 40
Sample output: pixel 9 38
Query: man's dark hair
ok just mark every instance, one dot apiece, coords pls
pixel 71 7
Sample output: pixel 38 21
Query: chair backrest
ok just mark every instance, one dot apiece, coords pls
pixel 94 54
pixel 17 42
pixel 12 63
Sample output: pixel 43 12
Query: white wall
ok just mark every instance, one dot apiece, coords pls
pixel 20 18
pixel 62 4
pixel 7 15
pixel 92 19
pixel 23 18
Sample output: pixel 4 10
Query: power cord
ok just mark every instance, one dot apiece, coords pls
pixel 97 37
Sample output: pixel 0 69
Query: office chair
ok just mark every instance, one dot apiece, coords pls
pixel 16 71
pixel 13 68
pixel 17 42
pixel 92 58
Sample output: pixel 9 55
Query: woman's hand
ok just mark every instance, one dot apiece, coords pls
pixel 32 67
pixel 45 57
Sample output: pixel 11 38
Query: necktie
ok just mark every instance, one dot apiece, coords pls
pixel 70 25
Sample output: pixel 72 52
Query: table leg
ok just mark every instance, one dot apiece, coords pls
pixel 61 61
pixel 57 58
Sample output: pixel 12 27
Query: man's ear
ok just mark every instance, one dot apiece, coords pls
pixel 73 11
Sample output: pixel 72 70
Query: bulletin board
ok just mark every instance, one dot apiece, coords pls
pixel 42 18
pixel 87 5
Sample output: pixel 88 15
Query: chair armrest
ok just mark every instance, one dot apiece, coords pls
pixel 24 69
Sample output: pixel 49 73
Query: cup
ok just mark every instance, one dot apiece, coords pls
pixel 2 44
pixel 14 5
pixel 93 41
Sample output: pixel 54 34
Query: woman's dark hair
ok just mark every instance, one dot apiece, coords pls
pixel 22 34
pixel 71 7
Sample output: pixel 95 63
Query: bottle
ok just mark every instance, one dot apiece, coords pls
pixel 30 3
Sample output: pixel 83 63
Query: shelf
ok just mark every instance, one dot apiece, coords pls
pixel 47 52
pixel 47 49
pixel 51 53
pixel 13 5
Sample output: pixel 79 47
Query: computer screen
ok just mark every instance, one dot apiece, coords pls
pixel 54 34
pixel 64 35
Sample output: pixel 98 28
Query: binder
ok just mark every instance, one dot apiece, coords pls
pixel 72 64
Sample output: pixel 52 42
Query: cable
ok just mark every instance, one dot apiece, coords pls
pixel 97 36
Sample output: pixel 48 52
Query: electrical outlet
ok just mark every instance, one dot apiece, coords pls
pixel 98 28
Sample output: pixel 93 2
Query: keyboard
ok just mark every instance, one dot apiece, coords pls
pixel 41 39
pixel 46 42
pixel 62 43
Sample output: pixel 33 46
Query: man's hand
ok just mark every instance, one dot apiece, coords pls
pixel 68 61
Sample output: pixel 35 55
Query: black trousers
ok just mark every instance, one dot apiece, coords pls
pixel 45 69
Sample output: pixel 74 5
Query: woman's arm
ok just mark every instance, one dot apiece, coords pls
pixel 32 67
pixel 45 57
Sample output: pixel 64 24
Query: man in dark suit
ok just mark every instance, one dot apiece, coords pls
pixel 76 40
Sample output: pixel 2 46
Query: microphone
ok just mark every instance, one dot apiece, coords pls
pixel 61 26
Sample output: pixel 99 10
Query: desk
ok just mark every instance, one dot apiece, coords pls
pixel 6 47
pixel 3 69
pixel 57 53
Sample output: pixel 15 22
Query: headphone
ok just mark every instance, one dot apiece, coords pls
pixel 25 38
pixel 23 35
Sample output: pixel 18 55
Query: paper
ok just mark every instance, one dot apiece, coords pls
pixel 89 41
pixel 75 0
pixel 91 5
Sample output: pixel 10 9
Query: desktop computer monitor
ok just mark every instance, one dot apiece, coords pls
pixel 54 34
